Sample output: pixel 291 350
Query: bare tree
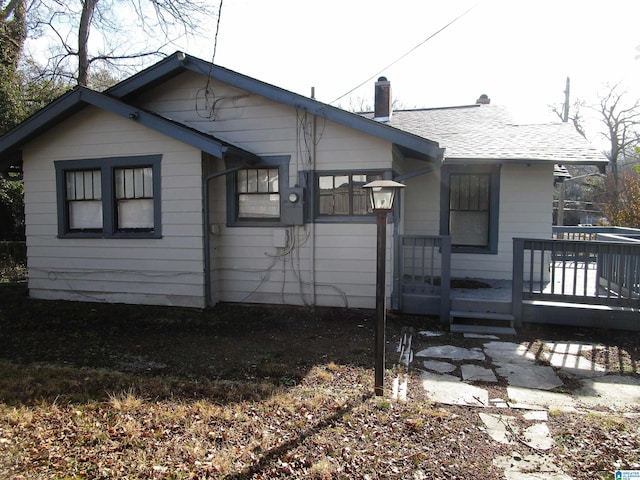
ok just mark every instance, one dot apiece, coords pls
pixel 621 120
pixel 75 23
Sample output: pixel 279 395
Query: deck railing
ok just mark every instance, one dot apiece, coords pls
pixel 601 268
pixel 423 265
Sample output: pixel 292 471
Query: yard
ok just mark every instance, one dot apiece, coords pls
pixel 96 391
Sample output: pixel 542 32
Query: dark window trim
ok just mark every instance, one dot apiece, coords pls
pixel 279 161
pixel 367 218
pixel 107 165
pixel 494 204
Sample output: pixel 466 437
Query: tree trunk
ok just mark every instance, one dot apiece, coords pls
pixel 88 8
pixel 13 33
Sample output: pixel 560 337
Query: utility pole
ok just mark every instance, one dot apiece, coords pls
pixel 561 192
pixel 565 110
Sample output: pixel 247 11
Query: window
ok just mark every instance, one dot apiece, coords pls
pixel 134 198
pixel 109 197
pixel 84 200
pixel 470 208
pixel 255 195
pixel 341 194
pixel 258 193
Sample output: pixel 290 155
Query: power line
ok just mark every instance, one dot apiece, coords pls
pixel 405 54
pixel 215 39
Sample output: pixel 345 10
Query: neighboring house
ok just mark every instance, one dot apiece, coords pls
pixel 189 184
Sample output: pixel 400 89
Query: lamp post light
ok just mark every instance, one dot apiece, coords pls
pixel 381 193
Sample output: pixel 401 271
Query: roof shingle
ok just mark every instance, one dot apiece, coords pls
pixel 487 132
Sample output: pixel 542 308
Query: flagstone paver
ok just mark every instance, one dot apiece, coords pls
pixel 531 376
pixel 476 373
pixel 437 366
pixel 451 352
pixel 450 390
pixel 528 393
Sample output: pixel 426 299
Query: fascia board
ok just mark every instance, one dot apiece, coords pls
pixel 179 62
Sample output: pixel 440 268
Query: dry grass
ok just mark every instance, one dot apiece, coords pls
pixel 110 392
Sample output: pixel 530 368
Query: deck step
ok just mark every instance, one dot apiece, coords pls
pixel 506 317
pixel 481 329
pixel 481 322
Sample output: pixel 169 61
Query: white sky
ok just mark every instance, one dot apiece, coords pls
pixel 519 52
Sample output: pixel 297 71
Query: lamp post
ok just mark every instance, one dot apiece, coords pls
pixel 381 193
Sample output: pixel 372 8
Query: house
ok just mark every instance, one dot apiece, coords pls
pixel 189 184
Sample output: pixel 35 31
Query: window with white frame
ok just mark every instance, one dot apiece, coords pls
pixel 109 197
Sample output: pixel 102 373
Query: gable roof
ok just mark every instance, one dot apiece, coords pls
pixel 487 132
pixel 80 97
pixel 418 146
pixel 120 99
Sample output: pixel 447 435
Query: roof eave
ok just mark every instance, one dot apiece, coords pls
pixel 80 97
pixel 179 62
pixel 561 161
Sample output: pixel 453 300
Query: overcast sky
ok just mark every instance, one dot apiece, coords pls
pixel 519 52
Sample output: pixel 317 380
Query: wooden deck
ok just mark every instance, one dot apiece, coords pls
pixel 592 283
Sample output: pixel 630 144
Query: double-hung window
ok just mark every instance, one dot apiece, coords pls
pixel 109 197
pixel 341 194
pixel 134 198
pixel 469 200
pixel 255 194
pixel 258 194
pixel 83 196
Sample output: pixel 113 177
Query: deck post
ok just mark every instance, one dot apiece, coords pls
pixel 445 281
pixel 518 274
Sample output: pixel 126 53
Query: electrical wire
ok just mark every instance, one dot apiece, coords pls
pixel 209 104
pixel 405 54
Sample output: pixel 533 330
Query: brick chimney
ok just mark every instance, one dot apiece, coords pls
pixel 483 100
pixel 382 100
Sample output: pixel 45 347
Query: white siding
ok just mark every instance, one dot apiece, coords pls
pixel 327 264
pixel 165 271
pixel 526 195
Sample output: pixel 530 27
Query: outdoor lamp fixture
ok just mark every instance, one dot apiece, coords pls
pixel 381 193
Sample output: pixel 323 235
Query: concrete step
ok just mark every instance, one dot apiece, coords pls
pixel 481 329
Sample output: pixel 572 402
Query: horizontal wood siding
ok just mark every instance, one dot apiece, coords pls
pixel 337 266
pixel 165 271
pixel 264 127
pixel 526 195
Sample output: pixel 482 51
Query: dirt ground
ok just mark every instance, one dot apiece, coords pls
pixel 297 381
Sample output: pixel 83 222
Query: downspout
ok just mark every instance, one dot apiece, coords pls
pixel 207 240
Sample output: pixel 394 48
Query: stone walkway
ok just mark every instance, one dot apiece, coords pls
pixel 459 376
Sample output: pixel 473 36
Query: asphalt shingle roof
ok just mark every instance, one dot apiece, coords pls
pixel 487 132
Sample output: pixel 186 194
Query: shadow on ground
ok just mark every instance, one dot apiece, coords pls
pixel 75 351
